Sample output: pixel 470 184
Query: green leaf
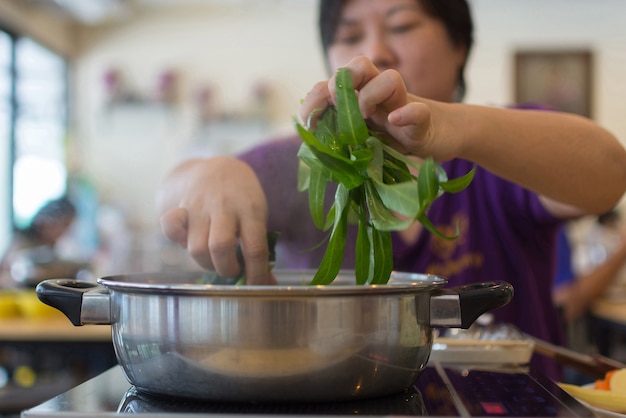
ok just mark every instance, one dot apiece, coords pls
pixel 423 219
pixel 333 257
pixel 381 217
pixel 342 199
pixel 458 184
pixel 361 158
pixel 393 154
pixel 304 176
pixel 376 166
pixel 317 193
pixel 350 122
pixel 364 261
pixel 326 131
pixel 383 256
pixel 399 197
pixel 338 168
pixel 427 184
pixel 330 217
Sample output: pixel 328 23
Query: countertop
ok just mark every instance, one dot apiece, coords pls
pixel 448 391
pixel 50 329
pixel 610 309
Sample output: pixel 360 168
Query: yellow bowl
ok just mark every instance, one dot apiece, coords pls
pixel 29 306
pixel 8 304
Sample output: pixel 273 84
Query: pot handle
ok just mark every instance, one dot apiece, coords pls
pixel 460 306
pixel 82 302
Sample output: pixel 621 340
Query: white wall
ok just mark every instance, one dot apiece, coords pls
pixel 502 26
pixel 128 150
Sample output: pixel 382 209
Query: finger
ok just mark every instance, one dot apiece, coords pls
pixel 385 92
pixel 223 241
pixel 174 226
pixel 314 104
pixel 410 126
pixel 255 252
pixel 198 242
pixel 413 113
pixel 362 71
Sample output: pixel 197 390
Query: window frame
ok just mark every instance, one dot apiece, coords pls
pixel 13 117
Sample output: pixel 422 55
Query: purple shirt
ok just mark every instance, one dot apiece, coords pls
pixel 506 234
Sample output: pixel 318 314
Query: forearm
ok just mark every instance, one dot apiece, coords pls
pixel 597 281
pixel 564 157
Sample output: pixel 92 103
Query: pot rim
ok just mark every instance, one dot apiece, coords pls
pixel 292 282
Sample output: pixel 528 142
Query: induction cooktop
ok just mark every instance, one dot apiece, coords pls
pixel 440 391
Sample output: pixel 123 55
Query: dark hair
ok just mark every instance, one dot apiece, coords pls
pixel 53 211
pixel 454 14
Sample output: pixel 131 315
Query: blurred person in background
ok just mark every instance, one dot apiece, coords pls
pixel 578 283
pixel 605 259
pixel 32 255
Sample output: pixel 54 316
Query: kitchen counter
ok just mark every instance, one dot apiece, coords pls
pixel 608 316
pixel 610 309
pixel 52 352
pixel 57 328
pixel 441 391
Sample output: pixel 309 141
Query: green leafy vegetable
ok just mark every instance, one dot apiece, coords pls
pixel 375 188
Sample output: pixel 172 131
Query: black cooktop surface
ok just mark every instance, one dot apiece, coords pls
pixel 440 391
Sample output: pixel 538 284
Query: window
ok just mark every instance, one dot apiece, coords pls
pixel 33 125
pixel 6 116
pixel 40 126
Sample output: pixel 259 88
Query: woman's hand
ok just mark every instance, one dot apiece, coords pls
pixel 411 123
pixel 208 207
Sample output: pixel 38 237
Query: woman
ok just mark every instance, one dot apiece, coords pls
pixel 406 57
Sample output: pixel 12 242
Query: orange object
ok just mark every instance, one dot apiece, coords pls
pixel 602 384
pixel 605 384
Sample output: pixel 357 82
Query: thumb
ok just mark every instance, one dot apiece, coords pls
pixel 414 120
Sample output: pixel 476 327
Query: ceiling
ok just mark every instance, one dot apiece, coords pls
pixel 95 12
pixel 89 12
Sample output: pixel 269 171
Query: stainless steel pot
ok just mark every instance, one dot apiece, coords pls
pixel 290 342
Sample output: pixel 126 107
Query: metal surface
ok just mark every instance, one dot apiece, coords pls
pixel 174 335
pixel 262 343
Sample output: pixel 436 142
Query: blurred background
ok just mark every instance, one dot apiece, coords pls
pixel 99 99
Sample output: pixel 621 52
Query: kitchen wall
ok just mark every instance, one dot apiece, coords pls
pixel 231 55
pixel 504 26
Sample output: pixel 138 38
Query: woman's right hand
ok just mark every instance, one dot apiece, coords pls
pixel 209 206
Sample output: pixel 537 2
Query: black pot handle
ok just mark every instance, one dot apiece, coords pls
pixel 460 306
pixel 65 295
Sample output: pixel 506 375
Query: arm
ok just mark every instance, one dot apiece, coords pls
pixel 567 159
pixel 576 297
pixel 574 164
